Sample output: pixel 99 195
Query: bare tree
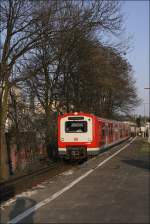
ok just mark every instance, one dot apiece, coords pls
pixel 20 35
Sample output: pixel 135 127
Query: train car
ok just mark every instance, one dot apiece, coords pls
pixel 82 135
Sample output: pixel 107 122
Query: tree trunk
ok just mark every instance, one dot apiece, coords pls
pixel 48 139
pixel 48 124
pixel 16 132
pixel 4 170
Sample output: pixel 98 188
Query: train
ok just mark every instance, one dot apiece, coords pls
pixel 82 135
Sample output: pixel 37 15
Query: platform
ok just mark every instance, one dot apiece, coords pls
pixel 111 188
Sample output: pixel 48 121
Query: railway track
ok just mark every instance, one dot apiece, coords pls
pixel 10 188
pixel 17 179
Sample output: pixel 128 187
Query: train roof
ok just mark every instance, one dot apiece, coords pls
pixel 91 115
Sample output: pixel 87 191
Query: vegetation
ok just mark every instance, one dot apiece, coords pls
pixel 55 53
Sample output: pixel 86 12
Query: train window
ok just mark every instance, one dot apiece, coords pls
pixel 121 133
pixel 75 126
pixel 106 130
pixel 111 131
pixel 103 132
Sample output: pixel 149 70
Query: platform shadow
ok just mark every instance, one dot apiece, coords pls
pixel 138 163
pixel 22 204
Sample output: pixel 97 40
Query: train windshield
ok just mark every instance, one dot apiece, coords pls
pixel 75 126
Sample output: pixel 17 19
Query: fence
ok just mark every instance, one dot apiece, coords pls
pixel 26 154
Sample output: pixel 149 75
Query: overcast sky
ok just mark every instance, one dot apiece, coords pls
pixel 137 24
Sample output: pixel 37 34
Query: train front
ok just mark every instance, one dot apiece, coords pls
pixel 75 135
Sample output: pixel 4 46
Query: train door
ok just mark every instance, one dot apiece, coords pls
pixel 106 134
pixel 99 133
pixel 103 138
pixel 124 132
pixel 109 139
pixel 120 131
pixel 116 132
pixel 110 132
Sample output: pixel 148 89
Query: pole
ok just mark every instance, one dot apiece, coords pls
pixel 149 118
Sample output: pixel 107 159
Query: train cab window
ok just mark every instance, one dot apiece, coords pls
pixel 75 126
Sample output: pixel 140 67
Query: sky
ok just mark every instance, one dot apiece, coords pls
pixel 137 25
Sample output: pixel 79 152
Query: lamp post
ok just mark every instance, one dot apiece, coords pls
pixel 145 113
pixel 149 118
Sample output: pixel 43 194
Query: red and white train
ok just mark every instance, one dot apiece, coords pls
pixel 81 135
